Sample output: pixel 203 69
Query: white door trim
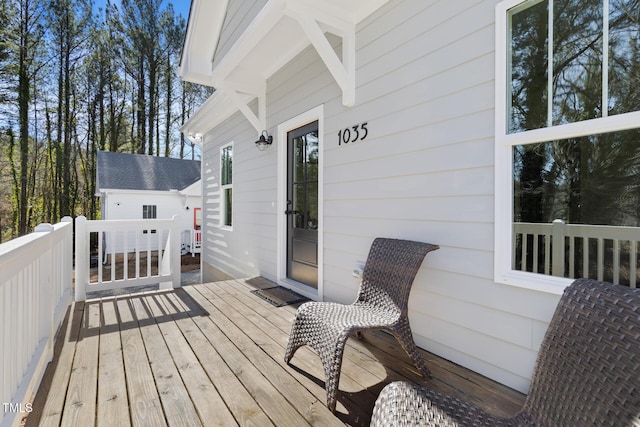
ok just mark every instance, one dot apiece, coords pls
pixel 309 116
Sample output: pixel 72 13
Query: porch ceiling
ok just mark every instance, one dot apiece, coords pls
pixel 279 32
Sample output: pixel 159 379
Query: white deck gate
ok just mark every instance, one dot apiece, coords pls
pixel 35 292
pixel 148 253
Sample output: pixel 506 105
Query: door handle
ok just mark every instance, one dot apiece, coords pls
pixel 289 211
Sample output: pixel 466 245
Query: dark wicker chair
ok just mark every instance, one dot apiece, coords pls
pixel 381 304
pixel 587 372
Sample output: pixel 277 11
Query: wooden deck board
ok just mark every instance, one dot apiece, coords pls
pixel 112 387
pixel 236 352
pixel 253 345
pixel 176 403
pixel 50 405
pixel 243 407
pixel 213 354
pixel 80 402
pixel 144 403
pixel 206 400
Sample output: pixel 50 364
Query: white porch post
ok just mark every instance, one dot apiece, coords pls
pixel 171 257
pixel 82 258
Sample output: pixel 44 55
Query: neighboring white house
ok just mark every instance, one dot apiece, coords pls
pixel 134 186
pixel 417 119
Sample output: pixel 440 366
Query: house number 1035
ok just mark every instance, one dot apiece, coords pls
pixel 353 134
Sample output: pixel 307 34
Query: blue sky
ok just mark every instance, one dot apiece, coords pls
pixel 180 6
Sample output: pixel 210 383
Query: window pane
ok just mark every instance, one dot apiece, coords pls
pixel 593 181
pixel 581 90
pixel 577 60
pixel 528 65
pixel 228 201
pixel 227 165
pixel 149 211
pixel 624 56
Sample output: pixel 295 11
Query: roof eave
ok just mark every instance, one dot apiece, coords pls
pixel 203 32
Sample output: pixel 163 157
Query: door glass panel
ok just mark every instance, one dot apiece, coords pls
pixel 302 204
pixel 299 203
pixel 312 206
pixel 305 185
pixel 298 160
pixel 312 156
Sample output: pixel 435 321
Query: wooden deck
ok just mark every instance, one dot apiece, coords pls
pixel 212 354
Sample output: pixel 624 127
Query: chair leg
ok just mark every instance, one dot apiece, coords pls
pixel 295 342
pixel 404 336
pixel 291 349
pixel 332 364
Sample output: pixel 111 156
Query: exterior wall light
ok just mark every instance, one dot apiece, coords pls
pixel 264 141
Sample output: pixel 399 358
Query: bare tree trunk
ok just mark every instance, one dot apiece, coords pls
pixel 23 112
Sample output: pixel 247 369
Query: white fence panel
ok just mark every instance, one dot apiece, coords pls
pixel 35 292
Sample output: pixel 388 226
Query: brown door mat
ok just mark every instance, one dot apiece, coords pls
pixel 260 282
pixel 279 296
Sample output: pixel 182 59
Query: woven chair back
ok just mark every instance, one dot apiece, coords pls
pixel 391 267
pixel 588 368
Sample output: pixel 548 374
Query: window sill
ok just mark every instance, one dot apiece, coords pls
pixel 535 282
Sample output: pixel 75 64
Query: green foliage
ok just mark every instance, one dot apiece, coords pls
pixel 74 80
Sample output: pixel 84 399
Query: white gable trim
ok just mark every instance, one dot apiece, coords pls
pixel 201 40
pixel 280 31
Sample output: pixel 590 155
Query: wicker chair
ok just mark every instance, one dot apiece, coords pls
pixel 587 372
pixel 381 304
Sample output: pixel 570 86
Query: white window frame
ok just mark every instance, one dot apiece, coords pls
pixel 149 211
pixel 223 188
pixel 503 272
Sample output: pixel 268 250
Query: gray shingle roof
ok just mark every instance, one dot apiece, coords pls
pixel 125 171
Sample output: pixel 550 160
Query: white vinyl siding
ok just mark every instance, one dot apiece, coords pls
pixel 239 15
pixel 425 86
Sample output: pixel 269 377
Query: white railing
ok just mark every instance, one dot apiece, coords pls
pixel 127 253
pixel 578 250
pixel 196 242
pixel 35 292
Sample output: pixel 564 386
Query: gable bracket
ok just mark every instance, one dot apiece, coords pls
pixel 342 69
pixel 242 94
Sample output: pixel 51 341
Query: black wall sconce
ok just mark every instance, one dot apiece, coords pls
pixel 264 141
